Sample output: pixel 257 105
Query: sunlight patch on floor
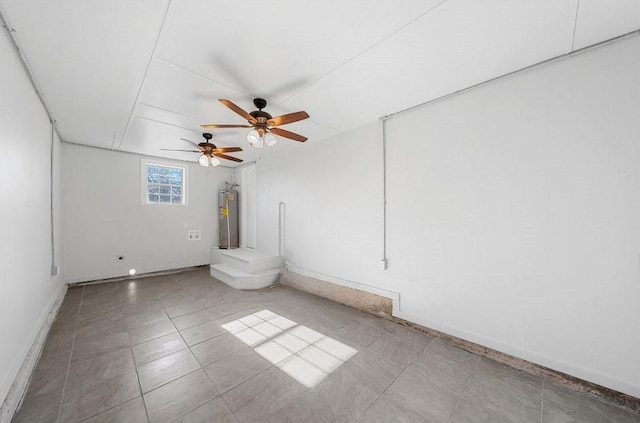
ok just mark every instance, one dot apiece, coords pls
pixel 306 355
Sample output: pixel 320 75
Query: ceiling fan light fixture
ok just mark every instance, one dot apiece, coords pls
pixel 214 161
pixel 270 139
pixel 253 136
pixel 204 161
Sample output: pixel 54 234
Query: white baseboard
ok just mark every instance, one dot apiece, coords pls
pixel 25 363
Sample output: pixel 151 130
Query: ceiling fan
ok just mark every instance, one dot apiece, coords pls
pixel 265 126
pixel 210 152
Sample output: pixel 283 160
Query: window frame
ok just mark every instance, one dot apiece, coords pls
pixel 144 185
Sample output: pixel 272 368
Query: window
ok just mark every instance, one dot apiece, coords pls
pixel 163 184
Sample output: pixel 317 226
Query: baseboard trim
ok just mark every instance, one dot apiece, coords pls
pixel 21 382
pixel 138 276
pixel 333 292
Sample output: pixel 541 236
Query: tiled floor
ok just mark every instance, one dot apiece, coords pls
pixel 187 348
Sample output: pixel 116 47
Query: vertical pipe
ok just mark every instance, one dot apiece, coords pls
pixel 281 210
pixel 51 162
pixel 384 190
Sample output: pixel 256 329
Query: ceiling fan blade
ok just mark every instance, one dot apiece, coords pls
pixel 224 156
pixel 213 125
pixel 288 118
pixel 187 151
pixel 190 142
pixel 228 149
pixel 238 110
pixel 288 134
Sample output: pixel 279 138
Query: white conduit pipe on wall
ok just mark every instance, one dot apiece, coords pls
pixel 14 41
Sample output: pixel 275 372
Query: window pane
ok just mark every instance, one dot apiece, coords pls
pixel 165 198
pixel 176 190
pixel 153 189
pixel 152 169
pixel 153 179
pixel 176 199
pixel 165 189
pixel 165 180
pixel 176 173
pixel 165 171
pixel 153 198
pixel 176 181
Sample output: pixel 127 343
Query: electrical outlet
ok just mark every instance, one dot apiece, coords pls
pixel 55 269
pixel 194 235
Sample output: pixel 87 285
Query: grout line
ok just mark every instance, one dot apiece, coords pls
pixel 542 402
pixel 461 396
pixel 135 366
pixel 73 344
pixel 575 25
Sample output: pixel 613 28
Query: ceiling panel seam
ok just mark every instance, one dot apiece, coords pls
pixel 144 78
pixel 206 78
pixel 575 25
pixel 412 21
pixel 634 33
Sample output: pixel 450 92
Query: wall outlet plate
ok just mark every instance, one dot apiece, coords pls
pixel 194 235
pixel 55 269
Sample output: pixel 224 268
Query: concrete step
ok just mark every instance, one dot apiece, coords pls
pixel 246 259
pixel 239 279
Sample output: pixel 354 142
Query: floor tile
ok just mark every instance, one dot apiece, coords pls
pixel 262 395
pixel 159 347
pixel 84 401
pixel 564 405
pixel 339 398
pixel 488 412
pixel 371 370
pixel 163 370
pixel 396 349
pixel 500 387
pixel 333 363
pixel 42 408
pixel 201 333
pixel 147 318
pixel 152 331
pixel 384 411
pixel 414 394
pixel 84 348
pixel 360 333
pixel 215 411
pixel 177 398
pixel 100 366
pixel 216 348
pixel 235 369
pixel 297 411
pixel 445 365
pixel 129 412
pixel 192 319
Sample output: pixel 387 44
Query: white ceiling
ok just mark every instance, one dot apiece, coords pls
pixel 138 75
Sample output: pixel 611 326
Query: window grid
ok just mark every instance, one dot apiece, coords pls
pixel 165 184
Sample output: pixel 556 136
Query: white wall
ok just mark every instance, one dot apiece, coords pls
pixel 513 213
pixel 104 216
pixel 27 291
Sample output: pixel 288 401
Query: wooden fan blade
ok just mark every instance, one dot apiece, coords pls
pixel 190 142
pixel 224 156
pixel 288 118
pixel 187 151
pixel 288 134
pixel 238 110
pixel 213 125
pixel 228 149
